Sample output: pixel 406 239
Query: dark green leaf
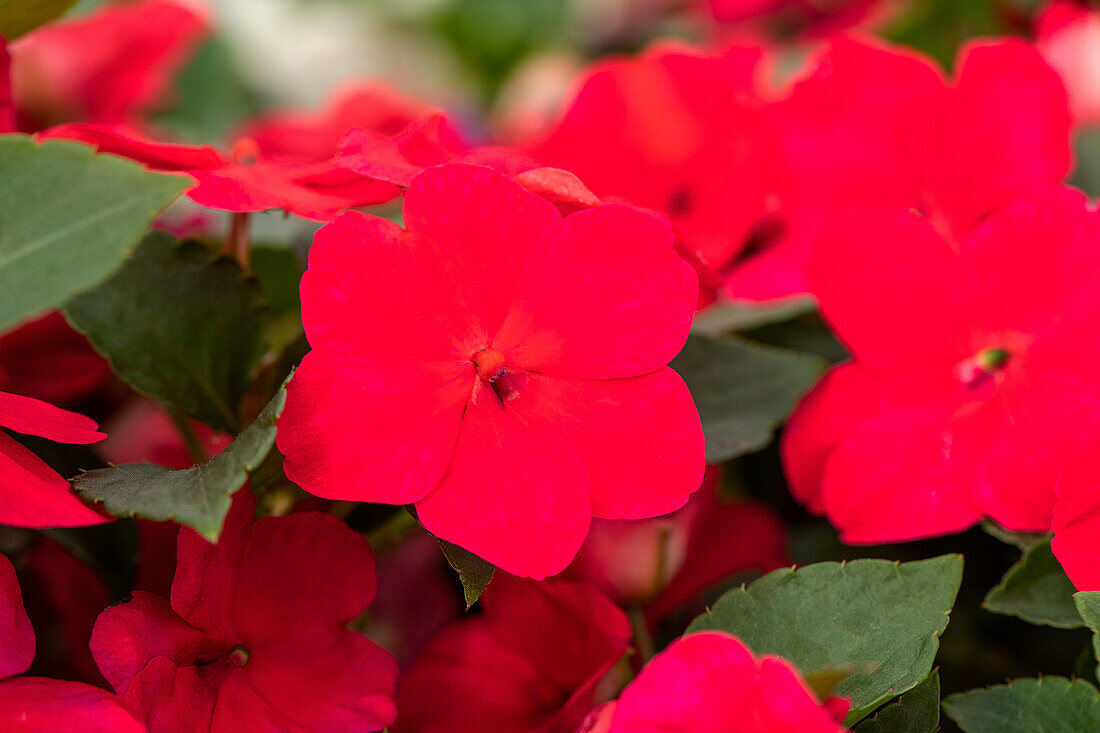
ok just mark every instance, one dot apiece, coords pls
pixel 1088 606
pixel 67 220
pixel 724 317
pixel 1036 590
pixel 474 573
pixel 180 325
pixel 199 496
pixel 22 16
pixel 834 614
pixel 1022 540
pixel 279 274
pixel 917 711
pixel 1045 705
pixel 743 390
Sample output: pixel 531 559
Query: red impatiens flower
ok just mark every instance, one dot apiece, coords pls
pixel 712 683
pixel 431 140
pixel 281 161
pixel 1077 518
pixel 664 562
pixel 63 596
pixel 877 124
pixel 973 377
pixel 255 637
pixel 1069 39
pixel 110 66
pixel 305 137
pixel 38 703
pixel 33 495
pixel 531 662
pixel 681 132
pixel 515 357
pixel 242 182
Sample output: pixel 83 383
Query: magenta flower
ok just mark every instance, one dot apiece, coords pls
pixel 497 364
pixel 255 637
pixel 712 683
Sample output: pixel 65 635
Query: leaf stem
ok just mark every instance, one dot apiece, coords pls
pixel 190 438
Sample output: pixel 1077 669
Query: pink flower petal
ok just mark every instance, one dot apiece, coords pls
pixel 711 683
pixel 352 427
pixel 128 636
pixel 643 433
pixel 16 634
pixel 1006 129
pixel 895 260
pixel 482 227
pixel 910 470
pixel 602 296
pixel 1076 519
pixel 34 417
pixel 372 286
pixel 34 496
pixel 40 704
pixel 510 496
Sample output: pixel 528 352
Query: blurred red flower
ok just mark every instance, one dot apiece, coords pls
pixel 38 703
pixel 682 132
pixel 254 638
pixel 712 683
pixel 284 160
pixel 973 377
pixel 516 357
pixel 665 562
pixel 1069 39
pixel 111 66
pixel 62 596
pixel 877 124
pixel 530 662
pixel 48 360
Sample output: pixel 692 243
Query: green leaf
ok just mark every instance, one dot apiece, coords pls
pixel 181 325
pixel 198 496
pixel 474 573
pixel 726 316
pixel 743 390
pixel 917 711
pixel 835 614
pixel 1044 705
pixel 68 218
pixel 1036 590
pixel 1022 540
pixel 1088 606
pixel 18 17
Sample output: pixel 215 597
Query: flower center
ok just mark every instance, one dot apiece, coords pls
pixel 239 656
pixel 981 367
pixel 490 364
pixel 245 152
